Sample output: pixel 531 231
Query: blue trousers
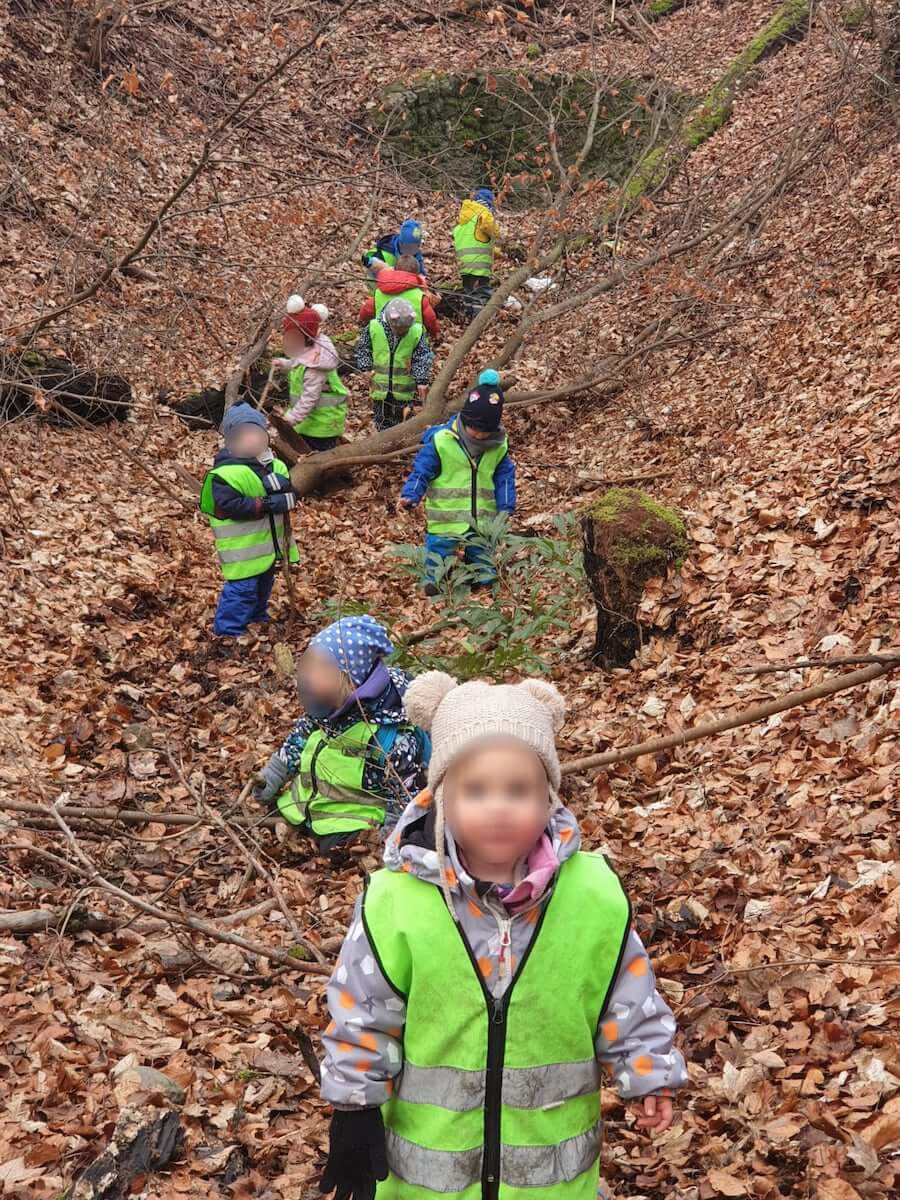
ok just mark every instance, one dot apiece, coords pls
pixel 244 602
pixel 446 547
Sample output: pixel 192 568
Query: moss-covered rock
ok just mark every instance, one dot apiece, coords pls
pixel 628 538
pixel 457 132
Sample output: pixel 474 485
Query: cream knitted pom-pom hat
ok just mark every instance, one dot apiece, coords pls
pixel 457 715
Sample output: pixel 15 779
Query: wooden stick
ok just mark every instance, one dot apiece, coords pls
pixel 803 663
pixel 747 716
pixel 131 816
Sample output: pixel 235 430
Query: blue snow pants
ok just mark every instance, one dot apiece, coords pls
pixel 446 547
pixel 244 602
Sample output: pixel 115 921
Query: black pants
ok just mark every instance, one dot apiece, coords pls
pixel 476 293
pixel 320 443
pixel 387 413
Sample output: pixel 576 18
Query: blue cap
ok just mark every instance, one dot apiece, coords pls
pixel 241 414
pixel 490 377
pixel 484 196
pixel 410 234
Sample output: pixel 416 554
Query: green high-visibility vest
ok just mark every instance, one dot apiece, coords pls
pixel 463 491
pixel 472 256
pixel 247 548
pixel 329 416
pixel 327 790
pixel 415 296
pixel 393 369
pixel 498 1099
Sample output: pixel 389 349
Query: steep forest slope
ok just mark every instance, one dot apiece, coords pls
pixel 754 385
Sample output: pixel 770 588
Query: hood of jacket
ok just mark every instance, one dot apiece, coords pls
pixel 385 708
pixel 430 434
pixel 392 282
pixel 321 353
pixel 411 846
pixel 470 209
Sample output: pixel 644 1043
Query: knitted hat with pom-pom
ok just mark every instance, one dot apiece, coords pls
pixel 458 715
pixel 305 318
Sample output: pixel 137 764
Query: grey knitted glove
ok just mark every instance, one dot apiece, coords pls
pixel 271 781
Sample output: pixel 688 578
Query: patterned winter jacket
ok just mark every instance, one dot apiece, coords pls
pixel 364 1042
pixel 405 774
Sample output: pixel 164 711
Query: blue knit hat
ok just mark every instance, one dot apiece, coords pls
pixel 356 644
pixel 241 414
pixel 490 377
pixel 484 196
pixel 410 235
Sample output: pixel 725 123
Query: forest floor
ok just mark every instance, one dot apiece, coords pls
pixel 762 864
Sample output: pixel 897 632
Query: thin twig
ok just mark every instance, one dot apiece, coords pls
pixel 843 660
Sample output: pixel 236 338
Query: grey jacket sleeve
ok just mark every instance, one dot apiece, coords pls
pixel 637 1030
pixel 363 1043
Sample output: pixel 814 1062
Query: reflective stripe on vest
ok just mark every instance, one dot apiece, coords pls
pixel 392 375
pixel 327 790
pixel 463 491
pixel 415 296
pixel 472 256
pixel 329 416
pixel 506 1090
pixel 246 548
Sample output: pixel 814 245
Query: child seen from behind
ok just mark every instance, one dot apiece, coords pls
pixel 317 408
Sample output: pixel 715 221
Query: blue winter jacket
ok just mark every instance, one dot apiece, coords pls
pixel 232 505
pixel 428 466
pixel 391 243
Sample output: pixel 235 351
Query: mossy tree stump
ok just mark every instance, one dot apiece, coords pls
pixel 628 538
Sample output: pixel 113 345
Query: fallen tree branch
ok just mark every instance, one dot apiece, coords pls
pixel 24 923
pixel 247 854
pixel 132 816
pixel 747 716
pixel 843 660
pixel 185 919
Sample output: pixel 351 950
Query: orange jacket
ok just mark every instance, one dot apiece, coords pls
pixel 393 282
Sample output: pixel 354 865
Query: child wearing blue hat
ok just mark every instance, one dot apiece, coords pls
pixel 353 760
pixel 247 495
pixel 408 240
pixel 474 236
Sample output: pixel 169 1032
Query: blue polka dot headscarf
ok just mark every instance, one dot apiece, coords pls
pixel 356 644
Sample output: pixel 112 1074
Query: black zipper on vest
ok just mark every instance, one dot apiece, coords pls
pixel 497 1010
pixel 313 778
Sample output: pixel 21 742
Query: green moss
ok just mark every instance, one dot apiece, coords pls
pixel 659 8
pixel 854 17
pixel 464 130
pixel 33 361
pixel 345 337
pixel 632 552
pixel 532 50
pixel 298 952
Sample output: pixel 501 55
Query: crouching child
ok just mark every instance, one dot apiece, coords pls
pixel 464 473
pixel 490 977
pixel 352 761
pixel 247 495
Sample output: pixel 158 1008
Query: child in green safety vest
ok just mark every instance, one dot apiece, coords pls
pixel 318 397
pixel 490 978
pixel 464 473
pixel 352 761
pixel 247 496
pixel 474 237
pixel 395 348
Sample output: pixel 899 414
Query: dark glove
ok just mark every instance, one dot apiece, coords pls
pixel 271 781
pixel 357 1156
pixel 281 503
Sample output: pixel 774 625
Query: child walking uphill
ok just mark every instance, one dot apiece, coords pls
pixel 474 236
pixel 318 397
pixel 464 473
pixel 489 977
pixel 354 759
pixel 246 496
pixel 394 347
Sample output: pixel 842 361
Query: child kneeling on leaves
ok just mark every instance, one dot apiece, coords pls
pixel 246 495
pixel 489 977
pixel 354 759
pixel 465 473
pixel 317 408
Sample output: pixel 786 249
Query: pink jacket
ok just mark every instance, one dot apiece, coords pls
pixel 319 358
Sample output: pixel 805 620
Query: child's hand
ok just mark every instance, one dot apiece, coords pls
pixel 281 364
pixel 407 504
pixel 654 1113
